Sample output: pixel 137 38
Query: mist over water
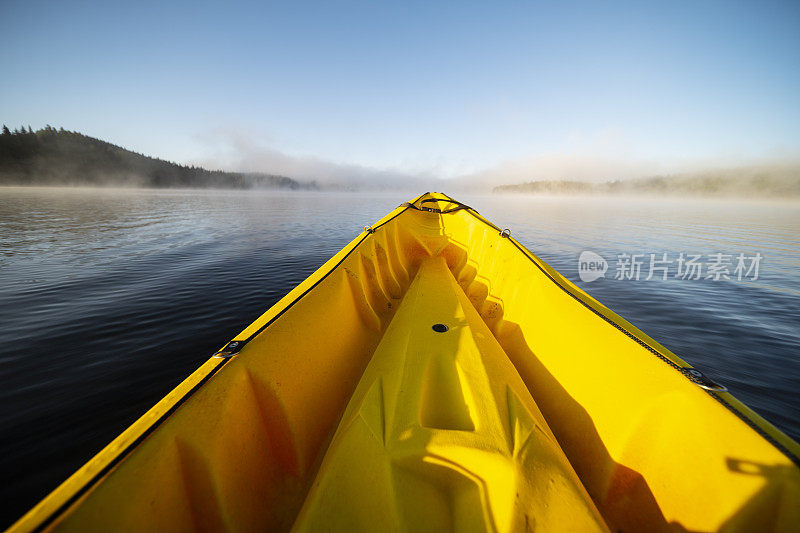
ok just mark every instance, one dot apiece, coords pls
pixel 110 298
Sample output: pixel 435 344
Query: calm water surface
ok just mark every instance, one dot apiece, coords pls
pixel 108 299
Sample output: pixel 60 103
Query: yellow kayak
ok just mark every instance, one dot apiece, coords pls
pixel 435 375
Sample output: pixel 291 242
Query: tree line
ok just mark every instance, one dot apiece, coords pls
pixel 51 156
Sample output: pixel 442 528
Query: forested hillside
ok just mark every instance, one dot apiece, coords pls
pixel 52 156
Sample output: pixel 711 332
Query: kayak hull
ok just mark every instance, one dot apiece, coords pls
pixel 636 440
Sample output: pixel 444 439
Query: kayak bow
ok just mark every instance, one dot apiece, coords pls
pixel 436 375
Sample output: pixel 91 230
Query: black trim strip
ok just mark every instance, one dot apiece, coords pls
pixel 769 438
pixel 120 456
pixel 755 427
pixel 366 234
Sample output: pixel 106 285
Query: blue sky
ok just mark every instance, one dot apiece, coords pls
pixel 427 88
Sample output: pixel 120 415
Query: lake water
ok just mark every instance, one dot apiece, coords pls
pixel 108 299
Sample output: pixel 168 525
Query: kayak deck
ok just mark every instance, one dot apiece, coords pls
pixel 441 433
pixel 342 407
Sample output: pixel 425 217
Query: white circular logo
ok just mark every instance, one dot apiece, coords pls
pixel 591 266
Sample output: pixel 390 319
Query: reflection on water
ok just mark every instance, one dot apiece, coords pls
pixel 110 298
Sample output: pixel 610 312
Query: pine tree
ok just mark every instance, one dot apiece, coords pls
pixel 6 131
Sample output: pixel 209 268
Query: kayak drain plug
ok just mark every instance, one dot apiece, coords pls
pixel 440 328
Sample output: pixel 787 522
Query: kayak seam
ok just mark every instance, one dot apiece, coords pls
pixel 128 449
pixel 758 429
pixel 744 418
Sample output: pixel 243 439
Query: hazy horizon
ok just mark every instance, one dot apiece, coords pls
pixel 244 160
pixel 388 93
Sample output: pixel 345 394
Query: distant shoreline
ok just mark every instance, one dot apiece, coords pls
pixel 52 157
pixel 404 193
pixel 775 183
pixel 57 157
